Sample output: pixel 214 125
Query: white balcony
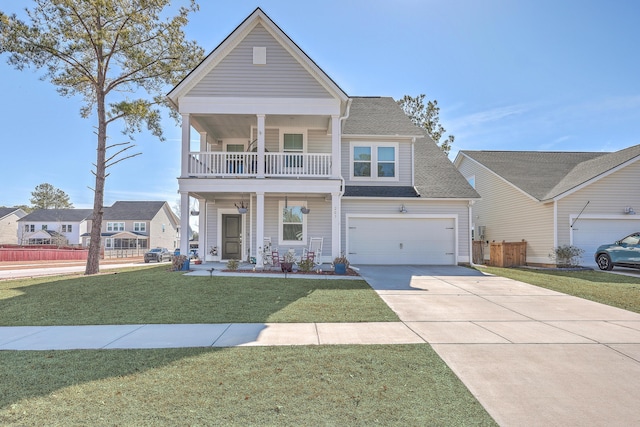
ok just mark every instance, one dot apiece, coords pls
pixel 242 164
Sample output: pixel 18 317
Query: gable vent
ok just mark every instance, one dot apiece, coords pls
pixel 259 55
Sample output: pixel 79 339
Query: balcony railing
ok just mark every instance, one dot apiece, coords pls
pixel 234 164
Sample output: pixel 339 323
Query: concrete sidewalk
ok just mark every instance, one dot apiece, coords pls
pixel 531 356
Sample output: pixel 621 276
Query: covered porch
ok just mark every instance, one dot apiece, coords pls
pixel 235 223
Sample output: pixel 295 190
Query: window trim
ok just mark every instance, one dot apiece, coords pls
pixel 142 229
pixel 299 131
pixel 374 146
pixel 111 228
pixel 281 241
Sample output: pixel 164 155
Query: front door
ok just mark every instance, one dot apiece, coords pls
pixel 232 237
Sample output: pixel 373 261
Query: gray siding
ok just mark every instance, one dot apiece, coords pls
pixel 510 215
pixel 281 77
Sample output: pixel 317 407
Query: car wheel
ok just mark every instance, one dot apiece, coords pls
pixel 146 261
pixel 604 262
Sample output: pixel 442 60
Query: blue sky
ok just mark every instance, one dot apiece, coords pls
pixel 508 75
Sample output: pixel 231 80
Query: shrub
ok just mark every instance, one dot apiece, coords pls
pixel 567 256
pixel 306 265
pixel 233 264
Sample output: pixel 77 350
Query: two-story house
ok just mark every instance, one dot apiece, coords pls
pixel 285 155
pixel 138 226
pixel 54 227
pixel 9 224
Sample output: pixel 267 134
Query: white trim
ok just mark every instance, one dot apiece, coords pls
pixel 293 131
pixel 374 161
pixel 349 217
pixel 572 217
pixel 555 224
pixel 269 106
pixel 281 242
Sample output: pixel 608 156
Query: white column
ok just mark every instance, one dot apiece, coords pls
pixel 335 224
pixel 186 142
pixel 202 230
pixel 335 146
pixel 261 120
pixel 184 223
pixel 203 142
pixel 259 227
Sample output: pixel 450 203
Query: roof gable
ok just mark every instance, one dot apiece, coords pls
pixel 238 46
pixel 546 175
pixel 4 212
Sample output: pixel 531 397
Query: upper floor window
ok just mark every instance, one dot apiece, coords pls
pixel 29 228
pixel 44 226
pixel 292 223
pixel 115 226
pixel 140 226
pixel 374 161
pixel 293 141
pixel 67 228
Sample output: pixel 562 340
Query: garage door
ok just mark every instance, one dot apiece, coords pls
pixel 590 233
pixel 401 241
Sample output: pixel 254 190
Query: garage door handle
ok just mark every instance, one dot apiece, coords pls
pixel 400 245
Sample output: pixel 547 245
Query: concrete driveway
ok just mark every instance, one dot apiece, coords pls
pixel 531 356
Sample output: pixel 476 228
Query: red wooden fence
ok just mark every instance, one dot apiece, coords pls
pixel 40 253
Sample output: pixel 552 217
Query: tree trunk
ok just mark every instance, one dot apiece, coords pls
pixel 95 244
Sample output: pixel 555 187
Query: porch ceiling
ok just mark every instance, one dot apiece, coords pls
pixel 239 126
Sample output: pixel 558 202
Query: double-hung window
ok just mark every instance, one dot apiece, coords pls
pixel 374 161
pixel 292 223
pixel 293 142
pixel 29 228
pixel 140 227
pixel 115 226
pixel 67 228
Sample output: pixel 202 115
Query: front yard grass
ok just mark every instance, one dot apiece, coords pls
pixel 155 295
pixel 400 385
pixel 607 288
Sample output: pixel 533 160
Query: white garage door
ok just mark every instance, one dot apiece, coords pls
pixel 590 233
pixel 401 241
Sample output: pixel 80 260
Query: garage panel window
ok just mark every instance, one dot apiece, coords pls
pixel 374 161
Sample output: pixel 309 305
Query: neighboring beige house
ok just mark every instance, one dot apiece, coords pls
pixel 551 199
pixel 9 224
pixel 285 155
pixel 138 226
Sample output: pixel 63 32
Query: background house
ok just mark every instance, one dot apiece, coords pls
pixel 132 227
pixel 550 199
pixel 60 227
pixel 9 224
pixel 285 155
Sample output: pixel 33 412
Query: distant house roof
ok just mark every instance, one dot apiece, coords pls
pixel 128 211
pixel 8 211
pixel 51 215
pixel 378 116
pixel 545 175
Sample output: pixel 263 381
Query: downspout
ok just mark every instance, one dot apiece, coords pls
pixel 471 202
pixel 347 111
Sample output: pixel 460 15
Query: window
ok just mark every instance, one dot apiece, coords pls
pixel 372 161
pixel 66 228
pixel 115 226
pixel 140 226
pixel 293 142
pixel 235 148
pixel 292 224
pixel 29 228
pixel 44 226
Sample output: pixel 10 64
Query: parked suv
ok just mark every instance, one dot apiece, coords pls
pixel 158 255
pixel 623 253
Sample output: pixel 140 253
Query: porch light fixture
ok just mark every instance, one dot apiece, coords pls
pixel 305 210
pixel 403 209
pixel 629 210
pixel 195 212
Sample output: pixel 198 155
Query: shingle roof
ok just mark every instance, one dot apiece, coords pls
pixel 544 174
pixel 6 211
pixel 124 211
pixel 378 116
pixel 435 175
pixel 48 215
pixel 379 191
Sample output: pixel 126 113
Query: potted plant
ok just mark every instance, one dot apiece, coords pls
pixel 340 264
pixel 287 263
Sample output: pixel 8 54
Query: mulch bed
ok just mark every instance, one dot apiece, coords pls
pixel 350 272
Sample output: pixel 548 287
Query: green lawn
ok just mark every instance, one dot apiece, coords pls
pixel 607 288
pixel 391 385
pixel 155 295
